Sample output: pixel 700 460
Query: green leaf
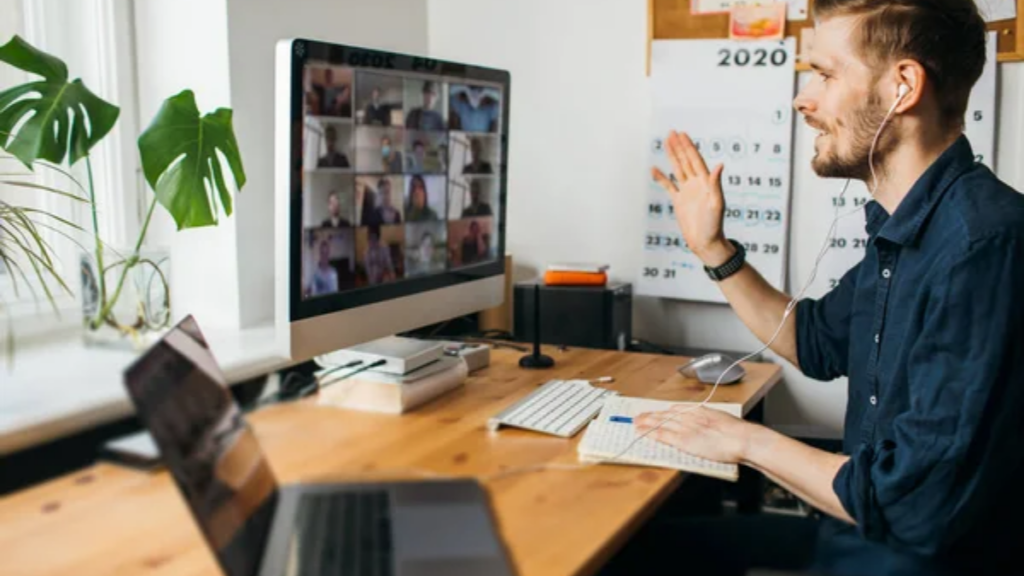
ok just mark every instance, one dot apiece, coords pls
pixel 35 186
pixel 180 159
pixel 50 118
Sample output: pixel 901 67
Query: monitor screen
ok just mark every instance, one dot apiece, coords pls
pixel 398 183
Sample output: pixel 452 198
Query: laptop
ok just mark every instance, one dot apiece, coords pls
pixel 256 527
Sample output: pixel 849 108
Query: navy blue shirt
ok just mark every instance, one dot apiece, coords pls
pixel 929 328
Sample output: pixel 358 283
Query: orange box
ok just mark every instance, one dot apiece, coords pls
pixel 559 278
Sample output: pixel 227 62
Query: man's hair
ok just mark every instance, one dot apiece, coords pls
pixel 947 37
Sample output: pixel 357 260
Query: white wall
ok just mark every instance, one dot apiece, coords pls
pixel 254 28
pixel 224 51
pixel 578 162
pixel 183 44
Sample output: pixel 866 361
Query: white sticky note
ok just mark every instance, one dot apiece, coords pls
pixel 995 10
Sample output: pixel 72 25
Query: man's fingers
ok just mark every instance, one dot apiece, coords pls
pixel 716 174
pixel 659 420
pixel 678 157
pixel 660 178
pixel 693 157
pixel 670 437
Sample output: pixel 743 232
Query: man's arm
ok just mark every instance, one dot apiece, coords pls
pixel 759 305
pixel 805 471
pixel 699 207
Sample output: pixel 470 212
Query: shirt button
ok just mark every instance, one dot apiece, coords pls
pixel 886 273
pixel 877 338
pixel 873 400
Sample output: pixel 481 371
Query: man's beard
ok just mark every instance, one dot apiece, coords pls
pixel 863 125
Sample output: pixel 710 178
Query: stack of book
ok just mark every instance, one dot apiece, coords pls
pixel 415 372
pixel 576 275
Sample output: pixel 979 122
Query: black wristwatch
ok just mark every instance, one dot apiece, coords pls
pixel 731 266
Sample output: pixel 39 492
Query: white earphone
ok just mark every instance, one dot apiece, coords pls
pixel 902 91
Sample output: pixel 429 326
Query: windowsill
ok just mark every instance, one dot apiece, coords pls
pixel 58 386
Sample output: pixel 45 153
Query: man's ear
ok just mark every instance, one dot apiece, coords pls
pixel 909 83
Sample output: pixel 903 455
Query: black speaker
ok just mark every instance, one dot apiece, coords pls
pixel 583 316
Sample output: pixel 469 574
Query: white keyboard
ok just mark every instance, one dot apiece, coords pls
pixel 559 407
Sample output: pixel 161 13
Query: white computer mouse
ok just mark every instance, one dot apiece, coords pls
pixel 709 368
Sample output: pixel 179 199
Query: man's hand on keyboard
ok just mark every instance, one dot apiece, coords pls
pixel 701 431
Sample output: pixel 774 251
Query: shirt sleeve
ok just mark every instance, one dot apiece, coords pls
pixel 948 453
pixel 823 330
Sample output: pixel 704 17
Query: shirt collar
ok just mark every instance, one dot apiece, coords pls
pixel 905 225
pixel 875 216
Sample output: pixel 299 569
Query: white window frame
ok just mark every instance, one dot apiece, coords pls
pixel 96 39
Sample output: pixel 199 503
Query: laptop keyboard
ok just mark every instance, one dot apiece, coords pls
pixel 344 534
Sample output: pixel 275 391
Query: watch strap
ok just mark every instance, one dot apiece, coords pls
pixel 731 266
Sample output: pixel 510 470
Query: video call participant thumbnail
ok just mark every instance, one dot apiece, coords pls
pixel 379 150
pixel 327 199
pixel 469 241
pixel 427 116
pixel 426 152
pixel 381 253
pixel 377 200
pixel 329 264
pixel 329 91
pixel 334 218
pixel 380 99
pixel 333 158
pixel 477 164
pixel 474 108
pixel 425 198
pixel 478 203
pixel 426 248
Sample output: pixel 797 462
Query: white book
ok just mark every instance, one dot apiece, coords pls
pixel 615 441
pixel 395 395
pixel 588 267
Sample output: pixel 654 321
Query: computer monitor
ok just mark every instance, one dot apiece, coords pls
pixel 391 192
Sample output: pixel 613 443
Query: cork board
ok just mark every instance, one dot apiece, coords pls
pixel 672 20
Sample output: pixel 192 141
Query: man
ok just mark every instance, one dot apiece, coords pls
pixel 474 245
pixel 473 110
pixel 421 256
pixel 477 165
pixel 425 117
pixel 334 219
pixel 379 266
pixel 336 99
pixel 418 158
pixel 477 206
pixel 929 326
pixel 325 277
pixel 391 157
pixel 376 111
pixel 333 158
pixel 386 213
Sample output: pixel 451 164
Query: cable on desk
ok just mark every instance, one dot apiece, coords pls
pixel 296 386
pixel 370 366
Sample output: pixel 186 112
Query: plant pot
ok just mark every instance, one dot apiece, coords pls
pixel 134 316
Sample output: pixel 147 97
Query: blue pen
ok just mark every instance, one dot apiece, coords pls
pixel 622 419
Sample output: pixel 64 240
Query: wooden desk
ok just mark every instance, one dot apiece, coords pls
pixel 107 520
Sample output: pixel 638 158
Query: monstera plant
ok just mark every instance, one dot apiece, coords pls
pixel 54 123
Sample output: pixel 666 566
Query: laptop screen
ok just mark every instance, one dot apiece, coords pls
pixel 180 396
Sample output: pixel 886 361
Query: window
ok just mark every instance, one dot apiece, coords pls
pixel 95 39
